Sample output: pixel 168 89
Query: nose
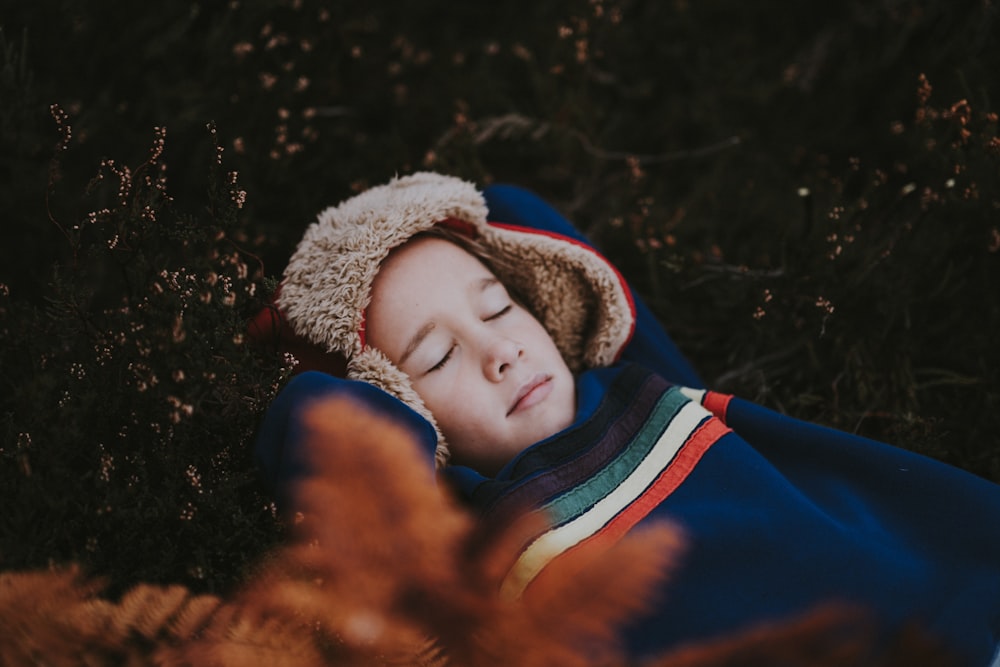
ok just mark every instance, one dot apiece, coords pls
pixel 498 357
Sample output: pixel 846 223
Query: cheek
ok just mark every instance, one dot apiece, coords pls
pixel 460 407
pixel 543 341
pixel 446 398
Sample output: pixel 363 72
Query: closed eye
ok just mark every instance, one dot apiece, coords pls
pixel 500 313
pixel 439 365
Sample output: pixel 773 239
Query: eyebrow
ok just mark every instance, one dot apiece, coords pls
pixel 415 342
pixel 480 286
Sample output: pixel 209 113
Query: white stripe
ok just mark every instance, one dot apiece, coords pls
pixel 696 395
pixel 549 545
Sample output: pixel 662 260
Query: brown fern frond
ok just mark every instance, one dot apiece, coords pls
pixel 385 569
pixel 40 614
pixel 192 618
pixel 146 611
pixel 375 544
pixel 831 635
pixel 592 590
pixel 828 636
pixel 571 613
pixel 235 640
pixel 383 560
pixel 57 618
pixel 380 572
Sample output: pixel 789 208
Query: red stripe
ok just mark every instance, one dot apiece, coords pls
pixel 676 472
pixel 460 226
pixel 717 403
pixel 362 329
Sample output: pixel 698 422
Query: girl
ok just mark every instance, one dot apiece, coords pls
pixel 522 360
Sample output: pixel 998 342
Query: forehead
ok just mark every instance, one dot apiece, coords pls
pixel 419 283
pixel 427 262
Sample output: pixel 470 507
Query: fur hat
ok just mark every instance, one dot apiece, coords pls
pixel 575 293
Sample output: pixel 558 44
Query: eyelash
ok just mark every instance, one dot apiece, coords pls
pixel 444 360
pixel 503 311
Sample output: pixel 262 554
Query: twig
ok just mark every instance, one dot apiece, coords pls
pixel 658 158
pixel 507 125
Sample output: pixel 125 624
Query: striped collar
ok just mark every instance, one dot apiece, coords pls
pixel 599 478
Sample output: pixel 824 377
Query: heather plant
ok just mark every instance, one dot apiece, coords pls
pixel 873 310
pixel 131 390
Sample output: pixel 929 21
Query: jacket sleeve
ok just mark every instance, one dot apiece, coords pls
pixel 279 449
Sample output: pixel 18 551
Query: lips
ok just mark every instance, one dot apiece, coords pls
pixel 531 393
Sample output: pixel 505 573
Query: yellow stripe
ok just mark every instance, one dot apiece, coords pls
pixel 547 546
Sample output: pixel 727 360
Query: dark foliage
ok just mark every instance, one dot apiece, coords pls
pixel 807 194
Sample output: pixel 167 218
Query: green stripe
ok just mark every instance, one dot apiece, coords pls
pixel 576 501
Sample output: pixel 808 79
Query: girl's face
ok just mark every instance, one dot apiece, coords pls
pixel 483 365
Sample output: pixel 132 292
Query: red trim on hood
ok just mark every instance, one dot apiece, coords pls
pixel 270 329
pixel 460 226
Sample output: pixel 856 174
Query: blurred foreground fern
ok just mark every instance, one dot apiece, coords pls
pixel 384 569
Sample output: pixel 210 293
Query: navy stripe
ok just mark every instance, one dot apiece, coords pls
pixel 628 404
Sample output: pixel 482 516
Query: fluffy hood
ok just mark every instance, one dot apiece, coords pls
pixel 575 293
